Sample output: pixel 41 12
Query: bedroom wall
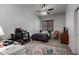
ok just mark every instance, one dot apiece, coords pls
pixel 71 26
pixel 59 21
pixel 13 16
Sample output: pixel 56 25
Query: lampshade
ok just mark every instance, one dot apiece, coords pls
pixel 1 31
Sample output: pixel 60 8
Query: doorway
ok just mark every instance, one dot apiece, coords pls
pixel 76 28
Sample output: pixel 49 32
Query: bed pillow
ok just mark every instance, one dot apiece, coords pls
pixel 46 32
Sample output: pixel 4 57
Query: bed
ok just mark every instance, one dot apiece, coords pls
pixel 40 36
pixel 13 50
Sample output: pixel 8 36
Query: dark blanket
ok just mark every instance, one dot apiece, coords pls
pixel 40 36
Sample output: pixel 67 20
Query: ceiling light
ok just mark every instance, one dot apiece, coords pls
pixel 43 13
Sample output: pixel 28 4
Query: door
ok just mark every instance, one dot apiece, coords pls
pixel 78 31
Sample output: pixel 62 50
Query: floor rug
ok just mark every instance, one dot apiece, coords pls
pixel 58 50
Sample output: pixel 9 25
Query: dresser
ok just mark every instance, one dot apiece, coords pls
pixel 64 38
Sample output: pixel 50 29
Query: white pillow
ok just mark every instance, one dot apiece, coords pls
pixel 46 32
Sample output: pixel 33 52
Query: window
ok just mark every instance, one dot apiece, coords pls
pixel 47 25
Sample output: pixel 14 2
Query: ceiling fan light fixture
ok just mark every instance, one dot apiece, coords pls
pixel 43 13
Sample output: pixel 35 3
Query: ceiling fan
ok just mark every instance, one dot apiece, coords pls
pixel 44 10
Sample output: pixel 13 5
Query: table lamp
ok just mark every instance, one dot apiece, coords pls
pixel 1 31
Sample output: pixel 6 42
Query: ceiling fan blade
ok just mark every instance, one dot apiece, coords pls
pixel 48 12
pixel 50 9
pixel 38 11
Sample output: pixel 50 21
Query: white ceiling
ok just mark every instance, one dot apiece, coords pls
pixel 58 8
